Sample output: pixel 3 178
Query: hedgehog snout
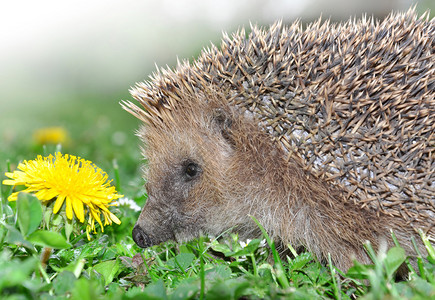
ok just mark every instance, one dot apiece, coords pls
pixel 140 237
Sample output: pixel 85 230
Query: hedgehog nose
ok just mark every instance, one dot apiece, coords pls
pixel 140 237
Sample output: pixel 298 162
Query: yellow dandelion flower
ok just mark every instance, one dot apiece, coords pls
pixel 70 179
pixel 51 135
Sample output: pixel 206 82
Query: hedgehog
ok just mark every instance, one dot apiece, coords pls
pixel 324 134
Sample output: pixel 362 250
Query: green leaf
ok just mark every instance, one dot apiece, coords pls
pixel 223 248
pixel 229 289
pixel 68 228
pixel 75 267
pixel 47 216
pixel 265 271
pixel 249 249
pixel 8 213
pixel 15 272
pixel 395 258
pixel 93 249
pixel 64 282
pixel 85 289
pixel 3 232
pixel 49 239
pixel 182 261
pixel 109 269
pixel 155 290
pixel 13 236
pixel 29 213
pixel 300 261
pixel 359 271
pixel 133 293
pixel 188 289
pixel 218 272
pixel 57 220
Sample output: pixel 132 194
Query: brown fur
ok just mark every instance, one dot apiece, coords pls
pixel 244 174
pixel 247 164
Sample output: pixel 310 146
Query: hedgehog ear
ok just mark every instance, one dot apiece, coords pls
pixel 224 122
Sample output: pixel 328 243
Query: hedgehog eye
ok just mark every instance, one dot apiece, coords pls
pixel 191 170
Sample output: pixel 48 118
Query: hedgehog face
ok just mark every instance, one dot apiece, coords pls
pixel 188 169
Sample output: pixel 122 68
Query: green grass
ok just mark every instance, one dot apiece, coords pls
pixel 111 266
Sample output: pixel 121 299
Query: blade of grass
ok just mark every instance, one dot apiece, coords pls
pixel 6 190
pixel 201 270
pixel 43 273
pixel 117 177
pixel 335 287
pixel 292 250
pixel 370 252
pixel 254 264
pixel 428 245
pixel 280 273
pixel 153 277
pixel 396 242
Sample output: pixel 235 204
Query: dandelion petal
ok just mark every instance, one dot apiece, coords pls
pixel 58 203
pixel 69 211
pixel 77 204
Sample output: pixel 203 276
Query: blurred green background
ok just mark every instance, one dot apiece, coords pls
pixel 68 63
